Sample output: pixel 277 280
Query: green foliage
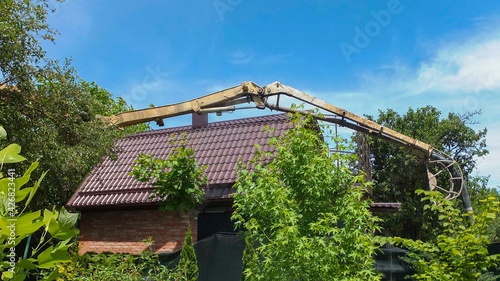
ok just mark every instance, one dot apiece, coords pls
pixel 22 25
pixel 489 276
pixel 459 251
pixel 398 172
pixel 57 228
pixel 146 266
pixel 105 266
pixel 102 103
pixel 307 214
pixel 478 192
pixel 54 121
pixel 187 268
pixel 177 180
pixel 47 108
pixel 250 258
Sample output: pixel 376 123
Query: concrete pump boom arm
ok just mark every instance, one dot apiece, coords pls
pixel 249 92
pixel 347 119
pixel 231 96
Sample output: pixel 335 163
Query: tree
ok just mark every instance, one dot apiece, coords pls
pixel 398 172
pixel 55 122
pixel 459 250
pixel 48 109
pixel 305 213
pixel 22 25
pixel 56 227
pixel 187 268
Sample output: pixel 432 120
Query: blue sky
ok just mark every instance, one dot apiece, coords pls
pixel 359 55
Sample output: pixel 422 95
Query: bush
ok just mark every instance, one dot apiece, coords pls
pixel 146 266
pixel 108 266
pixel 459 251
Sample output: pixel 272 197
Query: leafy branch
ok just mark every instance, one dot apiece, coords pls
pixel 177 180
pixel 459 250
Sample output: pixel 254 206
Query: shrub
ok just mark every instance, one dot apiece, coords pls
pixel 459 251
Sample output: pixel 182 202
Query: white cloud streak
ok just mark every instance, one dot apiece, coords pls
pixel 474 66
pixel 459 76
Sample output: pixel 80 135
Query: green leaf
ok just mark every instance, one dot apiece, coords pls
pixel 51 257
pixel 491 215
pixel 26 264
pixel 18 183
pixel 35 188
pixel 27 224
pixel 52 276
pixel 32 167
pixel 60 224
pixel 24 225
pixel 10 154
pixel 7 275
pixel 45 258
pixel 66 219
pixel 3 133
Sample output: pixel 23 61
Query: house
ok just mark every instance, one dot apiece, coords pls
pixel 117 213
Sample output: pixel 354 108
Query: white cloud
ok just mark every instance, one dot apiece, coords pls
pixel 459 68
pixel 459 76
pixel 473 66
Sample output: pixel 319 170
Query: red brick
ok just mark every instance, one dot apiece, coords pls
pixel 124 230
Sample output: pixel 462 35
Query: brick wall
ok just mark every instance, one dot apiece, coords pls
pixel 123 231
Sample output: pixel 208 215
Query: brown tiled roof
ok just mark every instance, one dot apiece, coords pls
pixel 218 145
